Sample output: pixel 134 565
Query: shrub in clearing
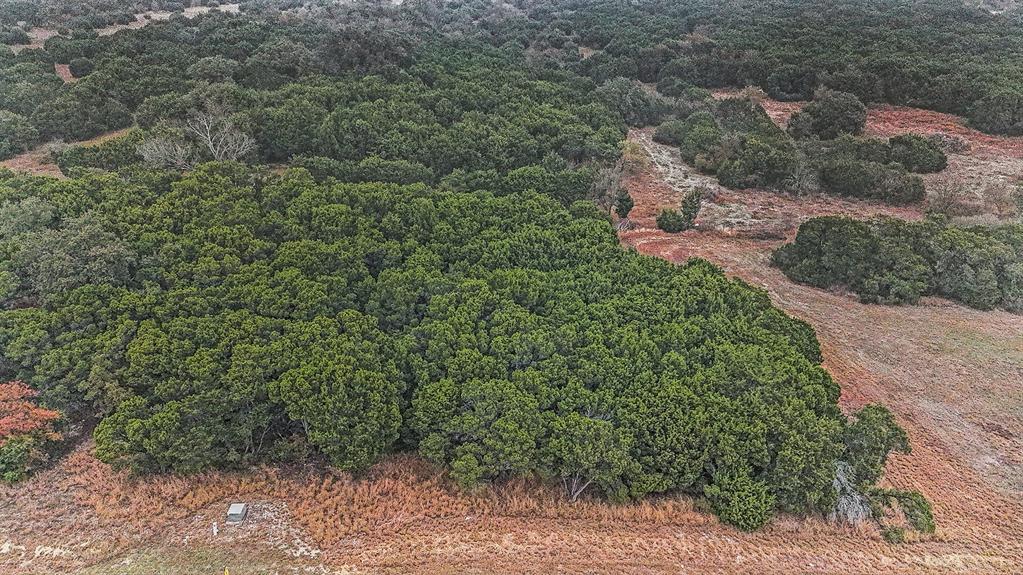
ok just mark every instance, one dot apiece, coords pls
pixel 671 221
pixel 14 460
pixel 670 133
pixel 691 205
pixel 829 115
pixel 851 147
pixel 624 204
pixel 894 261
pixel 917 513
pixel 700 138
pixel 759 163
pixel 81 67
pixel 871 180
pixel 917 154
pixel 674 221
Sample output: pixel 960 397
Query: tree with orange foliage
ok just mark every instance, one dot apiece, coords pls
pixel 23 426
pixel 19 415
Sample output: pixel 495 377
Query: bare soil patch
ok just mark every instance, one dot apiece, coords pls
pixel 39 163
pixel 64 71
pixel 145 18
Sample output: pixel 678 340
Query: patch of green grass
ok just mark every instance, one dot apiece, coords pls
pixel 191 561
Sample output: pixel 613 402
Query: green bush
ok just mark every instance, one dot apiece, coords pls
pixel 671 133
pixel 81 67
pixel 672 221
pixel 792 83
pixel 917 154
pixel 740 501
pixel 828 116
pixel 14 36
pixel 755 152
pixel 968 266
pixel 374 169
pixel 624 204
pixel 675 221
pixel 850 147
pixel 759 163
pixel 1000 112
pixel 894 535
pixel 914 507
pixel 16 134
pixel 871 436
pixel 15 455
pixel 701 139
pixel 635 105
pixel 893 261
pixel 870 180
pixel 111 154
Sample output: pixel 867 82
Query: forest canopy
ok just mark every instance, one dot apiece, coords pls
pixel 229 316
pixel 333 232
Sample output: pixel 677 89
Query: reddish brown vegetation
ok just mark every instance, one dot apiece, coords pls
pixel 64 71
pixel 887 121
pixel 19 415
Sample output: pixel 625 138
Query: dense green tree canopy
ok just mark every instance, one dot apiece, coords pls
pixel 894 261
pixel 422 268
pixel 497 334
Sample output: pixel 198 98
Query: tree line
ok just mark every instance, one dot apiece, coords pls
pixel 937 54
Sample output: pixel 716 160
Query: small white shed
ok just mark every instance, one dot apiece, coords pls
pixel 236 512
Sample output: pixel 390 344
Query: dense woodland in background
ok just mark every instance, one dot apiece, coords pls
pixel 430 265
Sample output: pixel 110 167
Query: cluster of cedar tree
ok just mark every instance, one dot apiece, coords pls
pixel 429 274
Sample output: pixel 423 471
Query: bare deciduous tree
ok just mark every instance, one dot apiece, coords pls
pixel 166 152
pixel 999 198
pixel 215 131
pixel 607 185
